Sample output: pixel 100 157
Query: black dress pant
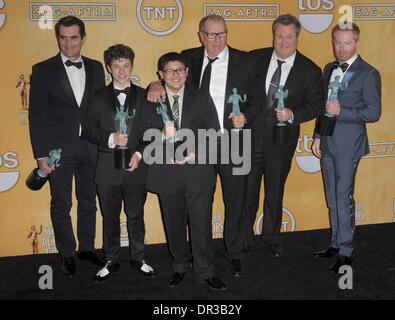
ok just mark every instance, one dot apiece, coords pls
pixel 274 163
pixel 183 207
pixel 111 197
pixel 234 194
pixel 81 166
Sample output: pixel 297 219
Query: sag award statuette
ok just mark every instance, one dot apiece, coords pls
pixel 234 99
pixel 281 129
pixel 326 123
pixel 162 110
pixel 38 178
pixel 123 154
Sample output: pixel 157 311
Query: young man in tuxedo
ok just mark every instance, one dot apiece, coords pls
pixel 280 65
pixel 358 103
pixel 185 189
pixel 101 126
pixel 218 69
pixel 61 88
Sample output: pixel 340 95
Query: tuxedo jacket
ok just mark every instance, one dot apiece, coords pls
pixel 54 115
pixel 100 122
pixel 305 94
pixel 241 75
pixel 360 102
pixel 198 112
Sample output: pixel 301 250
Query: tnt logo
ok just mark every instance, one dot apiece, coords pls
pixel 2 15
pixel 313 14
pixel 288 223
pixel 307 163
pixel 159 18
pixel 8 179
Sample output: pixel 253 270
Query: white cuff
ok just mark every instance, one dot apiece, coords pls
pixel 111 143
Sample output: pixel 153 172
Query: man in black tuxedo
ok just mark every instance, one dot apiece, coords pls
pixel 61 88
pixel 218 69
pixel 281 65
pixel 102 126
pixel 185 188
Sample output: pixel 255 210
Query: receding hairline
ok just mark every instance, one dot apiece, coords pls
pixel 213 18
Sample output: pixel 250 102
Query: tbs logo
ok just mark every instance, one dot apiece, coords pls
pixel 8 179
pixel 315 22
pixel 2 15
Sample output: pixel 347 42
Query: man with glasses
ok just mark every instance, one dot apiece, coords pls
pixel 217 68
pixel 283 66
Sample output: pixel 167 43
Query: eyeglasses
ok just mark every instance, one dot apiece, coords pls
pixel 213 35
pixel 172 72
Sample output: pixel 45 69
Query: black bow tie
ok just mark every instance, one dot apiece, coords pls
pixel 342 66
pixel 125 91
pixel 70 63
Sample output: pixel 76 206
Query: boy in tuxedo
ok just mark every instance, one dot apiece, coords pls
pixel 185 188
pixel 116 184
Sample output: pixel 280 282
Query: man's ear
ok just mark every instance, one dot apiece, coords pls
pixel 161 75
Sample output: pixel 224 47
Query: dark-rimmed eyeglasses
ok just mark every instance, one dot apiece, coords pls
pixel 172 72
pixel 213 35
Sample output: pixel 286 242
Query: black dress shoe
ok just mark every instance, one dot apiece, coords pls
pixel 105 272
pixel 276 250
pixel 236 267
pixel 92 257
pixel 341 261
pixel 326 253
pixel 215 284
pixel 67 266
pixel 143 268
pixel 176 279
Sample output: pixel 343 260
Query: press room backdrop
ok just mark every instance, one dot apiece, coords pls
pixel 152 28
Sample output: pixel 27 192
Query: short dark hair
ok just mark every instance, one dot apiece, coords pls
pixel 346 27
pixel 68 22
pixel 168 57
pixel 211 17
pixel 116 52
pixel 286 20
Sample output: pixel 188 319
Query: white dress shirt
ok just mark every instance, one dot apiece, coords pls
pixel 339 72
pixel 285 69
pixel 219 73
pixel 180 95
pixel 77 80
pixel 121 98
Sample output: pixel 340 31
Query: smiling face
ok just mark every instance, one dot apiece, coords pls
pixel 70 41
pixel 345 45
pixel 174 74
pixel 285 40
pixel 121 70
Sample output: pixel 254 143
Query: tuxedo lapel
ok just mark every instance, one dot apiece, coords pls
pixel 196 68
pixel 233 65
pixel 351 73
pixel 293 75
pixel 61 74
pixel 88 84
pixel 131 102
pixel 186 112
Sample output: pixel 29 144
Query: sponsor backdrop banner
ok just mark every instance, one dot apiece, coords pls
pixel 152 28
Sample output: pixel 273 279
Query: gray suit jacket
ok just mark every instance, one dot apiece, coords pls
pixel 360 103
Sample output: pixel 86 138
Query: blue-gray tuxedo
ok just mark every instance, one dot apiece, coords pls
pixel 360 103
